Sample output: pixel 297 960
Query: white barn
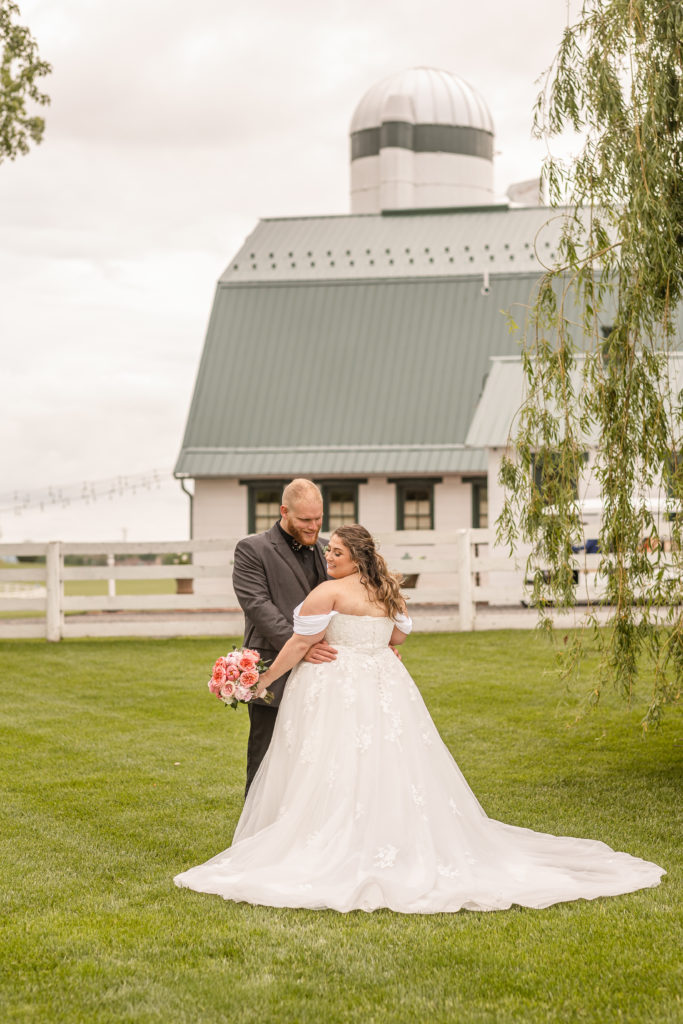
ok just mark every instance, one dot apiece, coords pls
pixel 354 349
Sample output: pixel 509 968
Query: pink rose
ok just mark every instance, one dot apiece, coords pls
pixel 233 658
pixel 254 655
pixel 245 664
pixel 249 678
pixel 215 685
pixel 218 672
pixel 232 672
pixel 227 690
pixel 242 693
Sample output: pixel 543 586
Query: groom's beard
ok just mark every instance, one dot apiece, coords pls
pixel 308 540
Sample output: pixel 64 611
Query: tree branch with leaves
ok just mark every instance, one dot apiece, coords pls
pixel 603 323
pixel 20 71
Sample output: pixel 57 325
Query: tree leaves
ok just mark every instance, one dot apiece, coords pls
pixel 20 69
pixel 595 357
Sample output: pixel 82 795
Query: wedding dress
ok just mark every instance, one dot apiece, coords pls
pixel 358 804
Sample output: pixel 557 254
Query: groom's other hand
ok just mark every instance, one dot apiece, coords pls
pixel 320 653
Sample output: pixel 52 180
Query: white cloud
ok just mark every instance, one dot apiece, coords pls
pixel 172 129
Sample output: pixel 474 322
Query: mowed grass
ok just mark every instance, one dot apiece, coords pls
pixel 119 770
pixel 98 588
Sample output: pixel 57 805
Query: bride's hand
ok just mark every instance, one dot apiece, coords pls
pixel 262 684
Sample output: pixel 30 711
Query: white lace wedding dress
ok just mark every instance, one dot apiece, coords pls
pixel 358 804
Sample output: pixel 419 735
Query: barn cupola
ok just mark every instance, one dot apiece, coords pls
pixel 421 139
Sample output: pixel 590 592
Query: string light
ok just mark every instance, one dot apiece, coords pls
pixel 87 491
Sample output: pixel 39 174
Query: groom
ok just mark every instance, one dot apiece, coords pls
pixel 273 572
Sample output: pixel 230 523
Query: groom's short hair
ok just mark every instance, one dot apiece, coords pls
pixel 298 489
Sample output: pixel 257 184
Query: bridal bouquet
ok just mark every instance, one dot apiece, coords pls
pixel 235 677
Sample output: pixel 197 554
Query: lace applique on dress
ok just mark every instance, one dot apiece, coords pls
pixel 312 693
pixel 348 697
pixel 385 856
pixel 395 729
pixel 309 750
pixel 364 737
pixel 288 729
pixel 385 699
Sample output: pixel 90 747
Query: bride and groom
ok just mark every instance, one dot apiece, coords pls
pixel 354 801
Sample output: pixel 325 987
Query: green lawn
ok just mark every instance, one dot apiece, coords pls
pixel 120 770
pixel 98 588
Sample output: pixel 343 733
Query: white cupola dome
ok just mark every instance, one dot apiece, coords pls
pixel 421 139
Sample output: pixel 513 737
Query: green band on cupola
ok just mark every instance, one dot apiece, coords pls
pixel 422 138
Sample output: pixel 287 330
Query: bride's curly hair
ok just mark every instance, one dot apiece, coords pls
pixel 384 587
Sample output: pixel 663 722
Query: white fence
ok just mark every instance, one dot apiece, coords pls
pixel 460 583
pixel 452 572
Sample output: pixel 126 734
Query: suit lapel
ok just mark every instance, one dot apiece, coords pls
pixel 285 552
pixel 320 562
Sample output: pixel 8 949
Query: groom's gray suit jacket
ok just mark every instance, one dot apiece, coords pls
pixel 270 582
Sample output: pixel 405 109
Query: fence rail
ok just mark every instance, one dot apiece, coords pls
pixel 455 579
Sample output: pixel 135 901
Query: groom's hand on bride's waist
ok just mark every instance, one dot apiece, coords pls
pixel 320 653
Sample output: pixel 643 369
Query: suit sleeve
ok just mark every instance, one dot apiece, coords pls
pixel 253 593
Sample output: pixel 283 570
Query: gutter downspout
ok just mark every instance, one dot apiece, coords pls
pixel 191 497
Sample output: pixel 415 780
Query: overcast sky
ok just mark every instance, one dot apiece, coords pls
pixel 173 127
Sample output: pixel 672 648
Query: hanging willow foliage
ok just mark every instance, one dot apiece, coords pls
pixel 599 372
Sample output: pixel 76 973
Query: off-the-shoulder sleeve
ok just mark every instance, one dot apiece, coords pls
pixel 404 623
pixel 309 625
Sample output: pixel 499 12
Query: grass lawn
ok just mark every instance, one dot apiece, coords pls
pixel 119 770
pixel 98 588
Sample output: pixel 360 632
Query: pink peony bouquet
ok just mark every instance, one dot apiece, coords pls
pixel 235 677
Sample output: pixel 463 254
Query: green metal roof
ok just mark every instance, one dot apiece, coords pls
pixel 346 377
pixel 359 344
pixel 400 460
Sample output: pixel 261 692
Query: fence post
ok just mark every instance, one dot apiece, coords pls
pixel 111 583
pixel 466 607
pixel 53 585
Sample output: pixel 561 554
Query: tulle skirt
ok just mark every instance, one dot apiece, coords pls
pixel 358 804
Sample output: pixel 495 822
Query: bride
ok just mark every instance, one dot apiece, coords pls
pixel 358 803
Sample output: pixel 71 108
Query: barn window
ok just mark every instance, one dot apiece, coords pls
pixel 480 504
pixel 414 504
pixel 340 503
pixel 264 505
